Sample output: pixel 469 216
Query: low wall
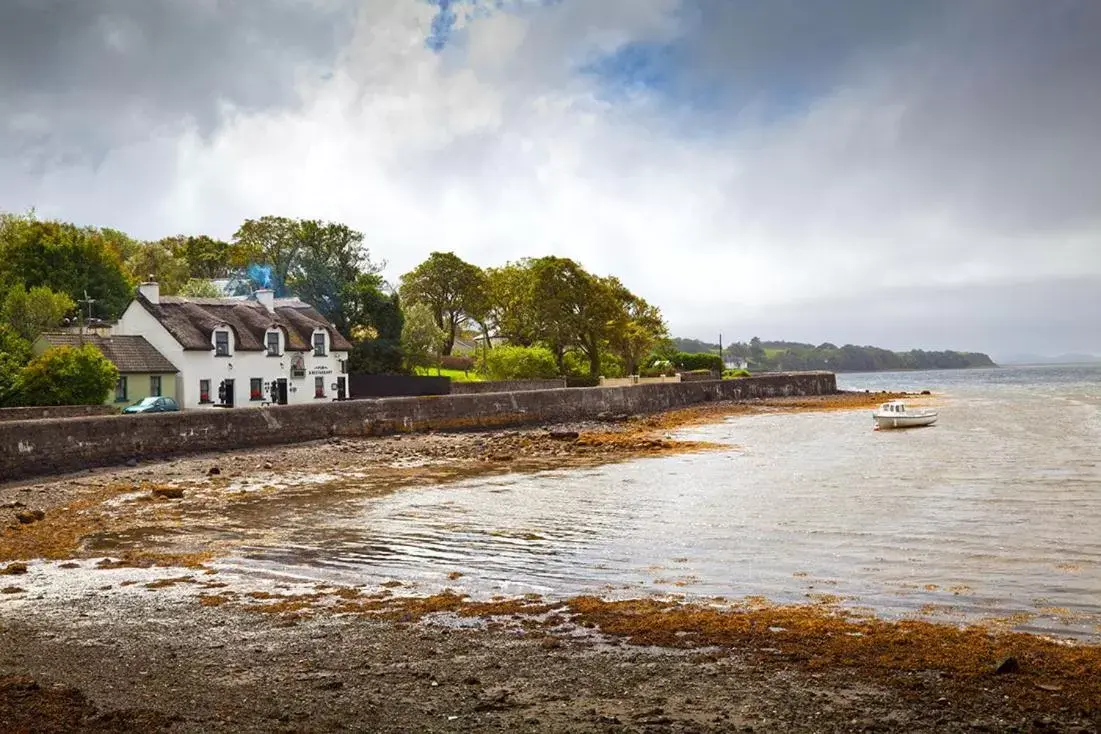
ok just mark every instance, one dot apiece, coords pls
pixel 699 376
pixel 32 448
pixel 471 388
pixel 389 386
pixel 636 380
pixel 55 411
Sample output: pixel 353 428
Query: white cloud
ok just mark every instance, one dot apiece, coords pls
pixel 498 148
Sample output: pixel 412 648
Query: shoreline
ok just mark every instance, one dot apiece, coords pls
pixel 153 634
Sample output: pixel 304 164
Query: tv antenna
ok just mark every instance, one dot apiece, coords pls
pixel 87 301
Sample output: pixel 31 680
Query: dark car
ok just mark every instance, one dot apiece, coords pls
pixel 153 405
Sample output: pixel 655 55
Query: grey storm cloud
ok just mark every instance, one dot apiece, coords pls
pixel 78 78
pixel 912 174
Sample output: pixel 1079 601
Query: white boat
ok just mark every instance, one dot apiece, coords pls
pixel 895 414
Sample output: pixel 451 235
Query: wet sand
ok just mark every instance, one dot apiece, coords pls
pixel 115 617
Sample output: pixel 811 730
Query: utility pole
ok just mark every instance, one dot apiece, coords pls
pixel 722 362
pixel 88 301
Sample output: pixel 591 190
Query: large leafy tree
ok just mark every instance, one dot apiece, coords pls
pixel 157 261
pixel 574 309
pixel 15 351
pixel 421 338
pixel 324 263
pixel 67 376
pixel 636 328
pixel 66 259
pixel 453 290
pixel 377 347
pixel 334 273
pixel 30 312
pixel 511 303
pixel 271 246
pixel 206 257
pixel 199 288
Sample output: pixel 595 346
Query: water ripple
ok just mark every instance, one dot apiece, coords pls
pixel 992 512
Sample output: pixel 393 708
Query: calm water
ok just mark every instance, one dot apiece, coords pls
pixel 993 512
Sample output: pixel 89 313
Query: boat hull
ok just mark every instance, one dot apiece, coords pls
pixel 905 421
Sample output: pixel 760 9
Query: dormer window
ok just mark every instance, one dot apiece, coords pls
pixel 221 343
pixel 319 344
pixel 273 343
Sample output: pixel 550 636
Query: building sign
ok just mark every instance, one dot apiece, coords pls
pixel 322 369
pixel 298 366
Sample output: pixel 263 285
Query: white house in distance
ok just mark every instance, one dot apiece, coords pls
pixel 236 352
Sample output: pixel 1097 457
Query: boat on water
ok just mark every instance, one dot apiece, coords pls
pixel 896 414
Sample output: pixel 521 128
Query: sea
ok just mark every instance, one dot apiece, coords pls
pixel 991 515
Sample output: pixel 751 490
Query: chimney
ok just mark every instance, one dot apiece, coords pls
pixel 266 296
pixel 151 291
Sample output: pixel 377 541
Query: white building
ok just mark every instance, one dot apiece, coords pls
pixel 235 352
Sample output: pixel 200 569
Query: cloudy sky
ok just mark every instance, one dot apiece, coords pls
pixel 905 174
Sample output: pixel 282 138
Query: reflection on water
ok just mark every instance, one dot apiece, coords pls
pixel 993 512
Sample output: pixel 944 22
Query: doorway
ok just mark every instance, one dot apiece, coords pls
pixel 281 391
pixel 227 394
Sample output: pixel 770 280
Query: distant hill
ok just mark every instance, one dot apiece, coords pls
pixel 693 346
pixel 775 356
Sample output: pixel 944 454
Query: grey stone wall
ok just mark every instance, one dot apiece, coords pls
pixel 43 447
pixel 55 411
pixel 470 388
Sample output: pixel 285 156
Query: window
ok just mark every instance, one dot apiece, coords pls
pixel 319 344
pixel 120 390
pixel 221 344
pixel 256 389
pixel 204 391
pixel 319 387
pixel 273 343
pixel 155 385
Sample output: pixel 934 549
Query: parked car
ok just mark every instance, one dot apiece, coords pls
pixel 153 405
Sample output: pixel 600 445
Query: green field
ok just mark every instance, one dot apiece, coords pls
pixel 455 375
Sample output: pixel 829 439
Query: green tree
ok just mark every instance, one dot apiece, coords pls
pixel 333 272
pixel 199 288
pixel 756 352
pixel 206 257
pixel 454 290
pixel 15 351
pixel 377 347
pixel 520 363
pixel 30 312
pixel 511 302
pixel 66 259
pixel 636 328
pixel 573 309
pixel 156 261
pixel 273 242
pixel 68 376
pixel 421 338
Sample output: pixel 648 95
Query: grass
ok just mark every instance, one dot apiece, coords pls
pixel 455 375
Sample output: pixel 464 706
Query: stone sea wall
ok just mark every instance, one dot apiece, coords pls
pixel 44 447
pixel 55 411
pixel 469 388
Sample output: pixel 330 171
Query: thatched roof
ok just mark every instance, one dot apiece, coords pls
pixel 192 321
pixel 130 354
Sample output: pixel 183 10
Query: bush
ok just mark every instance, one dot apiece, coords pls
pixel 520 363
pixel 459 362
pixel 376 357
pixel 692 362
pixel 68 376
pixel 733 374
pixel 658 370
